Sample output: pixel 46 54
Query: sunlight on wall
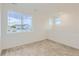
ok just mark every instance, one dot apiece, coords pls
pixel 65 18
pixel 50 21
pixel 54 22
pixel 58 21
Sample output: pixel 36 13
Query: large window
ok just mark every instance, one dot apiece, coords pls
pixel 18 22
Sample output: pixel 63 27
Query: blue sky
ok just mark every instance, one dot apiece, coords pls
pixel 14 17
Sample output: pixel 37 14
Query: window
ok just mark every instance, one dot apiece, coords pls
pixel 18 22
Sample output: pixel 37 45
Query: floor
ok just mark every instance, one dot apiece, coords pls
pixel 41 48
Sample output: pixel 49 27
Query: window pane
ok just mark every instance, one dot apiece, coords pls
pixel 27 23
pixel 14 22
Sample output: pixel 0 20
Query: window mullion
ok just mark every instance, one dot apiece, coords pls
pixel 21 23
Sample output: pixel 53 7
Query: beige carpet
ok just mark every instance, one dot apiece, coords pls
pixel 41 48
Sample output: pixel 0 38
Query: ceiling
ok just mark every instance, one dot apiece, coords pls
pixel 50 8
pixel 45 5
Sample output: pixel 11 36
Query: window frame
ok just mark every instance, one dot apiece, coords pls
pixel 21 23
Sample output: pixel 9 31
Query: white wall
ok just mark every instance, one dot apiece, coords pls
pixel 14 39
pixel 0 29
pixel 68 32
